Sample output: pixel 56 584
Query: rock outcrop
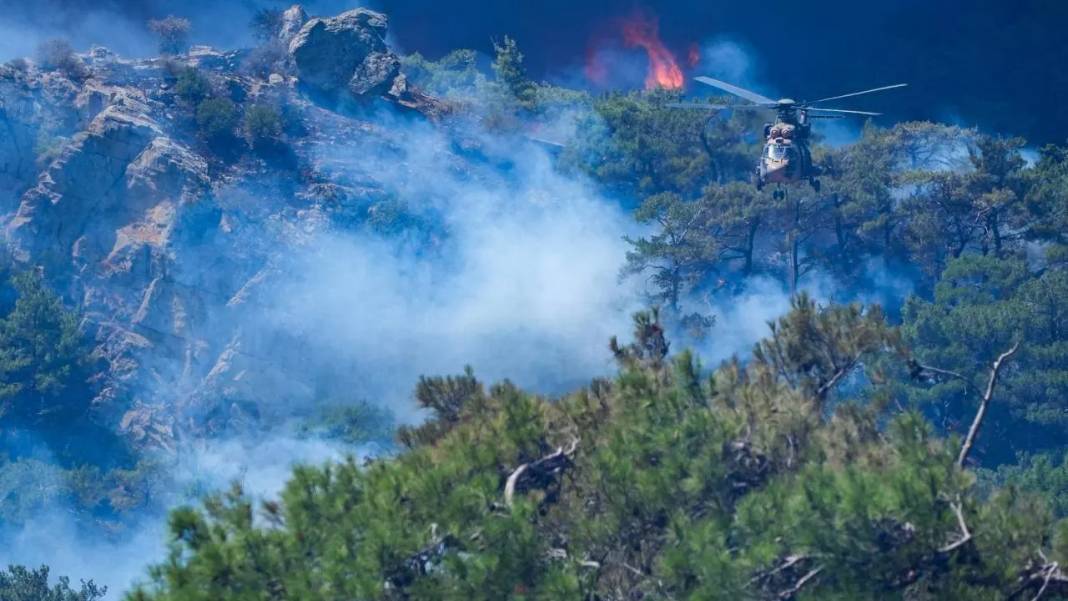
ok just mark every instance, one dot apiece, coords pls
pixel 166 246
pixel 293 18
pixel 346 53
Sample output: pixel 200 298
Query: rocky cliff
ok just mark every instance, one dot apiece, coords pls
pixel 164 239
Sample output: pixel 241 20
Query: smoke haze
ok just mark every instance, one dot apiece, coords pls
pixel 979 63
pixel 518 275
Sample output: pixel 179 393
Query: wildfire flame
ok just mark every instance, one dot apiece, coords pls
pixel 643 31
pixel 693 57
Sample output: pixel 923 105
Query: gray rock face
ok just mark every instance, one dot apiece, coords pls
pixel 346 52
pixel 19 126
pixel 293 19
pixel 167 249
pixel 84 180
pixel 375 74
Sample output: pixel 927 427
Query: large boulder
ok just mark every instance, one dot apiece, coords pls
pixel 346 53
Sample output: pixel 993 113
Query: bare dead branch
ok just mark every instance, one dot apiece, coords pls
pixel 422 561
pixel 1043 578
pixel 1045 581
pixel 796 588
pixel 513 479
pixel 822 391
pixel 919 368
pixel 984 404
pixel 965 534
pixel 782 575
pixel 788 562
pixel 540 473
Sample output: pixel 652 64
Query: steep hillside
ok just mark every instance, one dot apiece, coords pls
pixel 159 197
pixel 219 264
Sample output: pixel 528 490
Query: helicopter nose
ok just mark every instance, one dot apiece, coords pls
pixel 776 166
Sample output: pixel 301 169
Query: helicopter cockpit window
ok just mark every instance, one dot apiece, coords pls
pixel 777 152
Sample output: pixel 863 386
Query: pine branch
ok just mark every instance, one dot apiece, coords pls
pixel 796 588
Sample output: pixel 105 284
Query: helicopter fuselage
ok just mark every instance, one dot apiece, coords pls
pixel 786 158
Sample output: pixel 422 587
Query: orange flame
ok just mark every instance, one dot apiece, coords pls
pixel 643 32
pixel 694 56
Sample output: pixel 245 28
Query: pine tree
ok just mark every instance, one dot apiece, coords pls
pixel 664 482
pixel 42 359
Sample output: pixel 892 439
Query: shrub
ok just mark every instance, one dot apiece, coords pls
pixel 19 65
pixel 58 55
pixel 216 118
pixel 266 59
pixel 192 86
pixel 266 23
pixel 262 124
pixel 47 147
pixel 355 424
pixel 173 34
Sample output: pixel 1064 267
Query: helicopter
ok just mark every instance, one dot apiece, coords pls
pixel 786 158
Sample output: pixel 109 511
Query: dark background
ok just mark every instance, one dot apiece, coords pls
pixel 1001 65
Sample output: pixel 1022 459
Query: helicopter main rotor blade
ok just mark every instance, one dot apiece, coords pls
pixel 896 85
pixel 697 106
pixel 715 107
pixel 733 89
pixel 822 110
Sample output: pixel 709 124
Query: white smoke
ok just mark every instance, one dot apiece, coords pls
pixel 60 539
pixel 524 285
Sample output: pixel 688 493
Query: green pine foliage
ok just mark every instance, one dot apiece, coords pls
pixel 18 583
pixel 1043 474
pixel 355 424
pixel 262 125
pixel 510 73
pixel 665 482
pixel 192 86
pixel 981 307
pixel 43 362
pixel 454 77
pixel 216 119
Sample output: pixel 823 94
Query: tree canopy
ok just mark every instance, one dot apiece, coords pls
pixel 765 480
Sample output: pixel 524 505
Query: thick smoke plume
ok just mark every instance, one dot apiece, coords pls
pixel 519 278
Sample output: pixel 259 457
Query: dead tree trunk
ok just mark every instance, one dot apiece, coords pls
pixel 540 473
pixel 984 400
pixel 984 404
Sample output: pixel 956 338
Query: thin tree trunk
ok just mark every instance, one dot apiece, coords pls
pixel 984 404
pixel 750 244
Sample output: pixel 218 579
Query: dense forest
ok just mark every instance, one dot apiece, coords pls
pixel 909 447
